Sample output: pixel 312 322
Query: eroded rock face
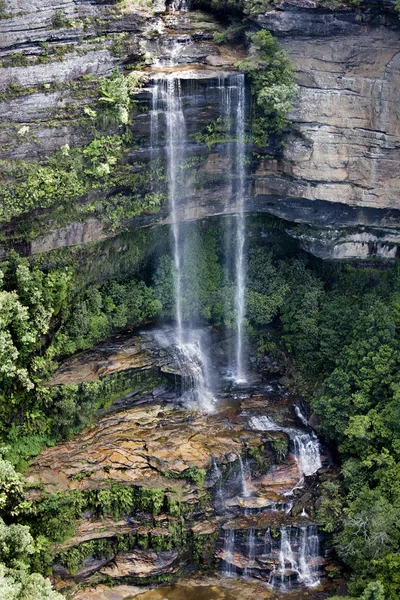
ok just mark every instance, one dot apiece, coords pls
pixel 341 153
pixel 345 142
pixel 137 447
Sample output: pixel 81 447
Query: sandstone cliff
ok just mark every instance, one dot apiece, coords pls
pixel 339 164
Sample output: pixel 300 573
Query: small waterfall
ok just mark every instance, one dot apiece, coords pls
pixel 195 391
pixel 307 452
pixel 229 547
pixel 309 550
pixel 233 113
pixel 218 473
pixel 267 542
pixel 251 549
pixel 243 474
pixel 263 423
pixel 286 556
pixel 176 139
pixel 306 445
pixel 298 550
pixel 300 415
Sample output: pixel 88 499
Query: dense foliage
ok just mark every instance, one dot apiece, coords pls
pixel 339 326
pixel 271 77
pixel 62 180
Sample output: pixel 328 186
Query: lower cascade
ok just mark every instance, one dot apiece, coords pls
pixel 305 445
pixel 287 560
pixel 298 554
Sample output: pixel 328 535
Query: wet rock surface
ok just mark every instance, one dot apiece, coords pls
pixel 252 493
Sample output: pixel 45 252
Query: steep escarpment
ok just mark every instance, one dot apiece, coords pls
pixel 343 146
pixel 340 153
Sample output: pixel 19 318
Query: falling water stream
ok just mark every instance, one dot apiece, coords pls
pixel 298 545
pixel 167 102
pixel 240 226
pixel 233 115
pixel 305 444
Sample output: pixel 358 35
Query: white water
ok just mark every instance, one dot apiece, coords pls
pixel 298 549
pixel 176 139
pixel 167 101
pixel 306 445
pixel 233 113
pixel 229 547
pixel 267 542
pixel 218 474
pixel 306 451
pixel 251 549
pixel 300 415
pixel 240 226
pixel 196 393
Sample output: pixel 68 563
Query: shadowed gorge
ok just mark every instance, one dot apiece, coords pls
pixel 199 300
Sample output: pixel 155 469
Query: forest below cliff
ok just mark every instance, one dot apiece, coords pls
pixel 334 326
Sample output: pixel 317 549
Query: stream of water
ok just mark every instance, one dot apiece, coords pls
pixel 298 546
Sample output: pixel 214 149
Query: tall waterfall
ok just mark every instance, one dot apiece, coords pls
pixel 167 101
pixel 176 139
pixel 233 113
pixel 167 108
pixel 240 225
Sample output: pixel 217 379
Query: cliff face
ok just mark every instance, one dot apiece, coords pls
pixel 344 145
pixel 339 165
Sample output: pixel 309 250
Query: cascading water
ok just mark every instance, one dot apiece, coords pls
pixel 309 551
pixel 305 445
pixel 267 549
pixel 218 474
pixel 299 549
pixel 229 547
pixel 167 100
pixel 306 451
pixel 251 550
pixel 300 415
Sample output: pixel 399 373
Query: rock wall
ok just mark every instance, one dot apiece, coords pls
pixel 345 143
pixel 339 164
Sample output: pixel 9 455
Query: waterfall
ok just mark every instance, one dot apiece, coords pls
pixel 298 550
pixel 309 550
pixel 286 556
pixel 176 139
pixel 218 474
pixel 307 452
pixel 233 112
pixel 240 225
pixel 229 547
pixel 263 423
pixel 251 549
pixel 267 542
pixel 167 99
pixel 300 415
pixel 306 445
